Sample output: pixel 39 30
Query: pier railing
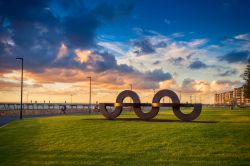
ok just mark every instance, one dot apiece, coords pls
pixel 44 106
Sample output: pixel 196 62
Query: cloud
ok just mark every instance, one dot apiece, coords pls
pixel 148 44
pixel 224 85
pixel 84 56
pixel 80 27
pixel 119 78
pixel 156 62
pixel 176 61
pixel 197 42
pixel 124 68
pixel 243 37
pixel 62 52
pixel 228 73
pixel 14 86
pixel 8 86
pixel 235 57
pixel 205 87
pixel 99 61
pixel 144 46
pixel 116 47
pixel 197 65
pixel 177 35
pixel 169 84
pixel 36 31
pixel 176 49
pixel 157 75
pixel 195 86
pixel 170 55
pixel 108 62
pixel 145 32
pixel 190 55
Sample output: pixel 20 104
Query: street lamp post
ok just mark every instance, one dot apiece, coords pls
pixel 21 109
pixel 131 88
pixel 89 95
pixel 180 97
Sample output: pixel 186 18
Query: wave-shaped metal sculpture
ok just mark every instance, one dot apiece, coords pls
pixel 155 106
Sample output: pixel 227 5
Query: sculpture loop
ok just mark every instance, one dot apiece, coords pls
pixel 188 117
pixel 155 106
pixel 118 104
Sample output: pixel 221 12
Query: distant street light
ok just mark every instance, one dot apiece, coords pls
pixel 89 95
pixel 21 109
pixel 180 97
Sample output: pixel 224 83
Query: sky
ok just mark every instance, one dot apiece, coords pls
pixel 196 48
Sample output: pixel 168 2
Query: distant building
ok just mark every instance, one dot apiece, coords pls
pixel 235 97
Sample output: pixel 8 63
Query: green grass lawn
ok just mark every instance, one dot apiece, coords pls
pixel 217 137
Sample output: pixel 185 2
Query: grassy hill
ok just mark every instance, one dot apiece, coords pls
pixel 217 137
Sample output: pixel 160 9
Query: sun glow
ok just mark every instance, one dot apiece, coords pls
pixel 82 56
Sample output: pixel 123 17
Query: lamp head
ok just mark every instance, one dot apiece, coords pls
pixel 19 58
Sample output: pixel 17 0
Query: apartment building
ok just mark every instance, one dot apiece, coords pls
pixel 232 97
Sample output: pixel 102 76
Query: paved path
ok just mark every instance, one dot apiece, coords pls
pixel 6 119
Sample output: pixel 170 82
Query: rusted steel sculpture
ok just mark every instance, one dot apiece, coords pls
pixel 155 106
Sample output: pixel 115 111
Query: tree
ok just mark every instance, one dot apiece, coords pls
pixel 247 80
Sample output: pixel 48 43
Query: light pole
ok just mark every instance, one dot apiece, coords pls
pixel 89 94
pixel 21 109
pixel 71 98
pixel 180 97
pixel 131 86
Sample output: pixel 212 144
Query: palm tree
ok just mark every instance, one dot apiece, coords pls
pixel 247 80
